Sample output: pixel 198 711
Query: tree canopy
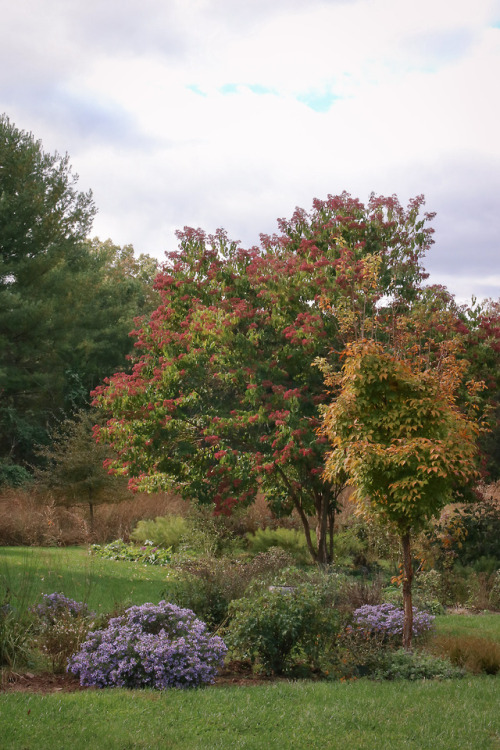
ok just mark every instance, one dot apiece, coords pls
pixel 397 432
pixel 66 304
pixel 223 401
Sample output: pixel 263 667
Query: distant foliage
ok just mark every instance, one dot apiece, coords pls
pixel 157 646
pixel 164 531
pixel 290 540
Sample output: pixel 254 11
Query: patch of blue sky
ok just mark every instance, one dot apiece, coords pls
pixel 255 88
pixel 196 89
pixel 319 102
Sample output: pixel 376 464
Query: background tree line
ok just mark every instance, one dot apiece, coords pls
pixel 67 302
pixel 222 397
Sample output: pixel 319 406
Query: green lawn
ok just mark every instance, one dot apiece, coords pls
pixel 480 626
pixel 451 715
pixel 356 715
pixel 103 584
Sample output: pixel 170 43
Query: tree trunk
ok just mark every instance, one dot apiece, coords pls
pixel 91 517
pixel 322 507
pixel 307 531
pixel 407 581
pixel 331 527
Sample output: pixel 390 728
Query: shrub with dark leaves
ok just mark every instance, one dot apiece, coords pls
pixel 152 645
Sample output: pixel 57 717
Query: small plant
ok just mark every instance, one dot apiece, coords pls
pixel 60 627
pixel 495 591
pixel 359 653
pixel 415 665
pixel 388 619
pixel 15 636
pixel 148 553
pixel 54 606
pixel 158 646
pixel 282 626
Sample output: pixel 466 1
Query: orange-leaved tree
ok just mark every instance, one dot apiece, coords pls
pixel 398 433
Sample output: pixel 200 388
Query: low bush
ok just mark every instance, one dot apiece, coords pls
pixel 61 625
pixel 208 585
pixel 476 655
pixel 157 646
pixel 163 531
pixel 283 626
pixel 147 554
pixel 388 620
pixel 414 665
pixel 359 653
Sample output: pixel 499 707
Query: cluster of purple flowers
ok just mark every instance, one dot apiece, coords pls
pixel 152 645
pixel 388 619
pixel 56 606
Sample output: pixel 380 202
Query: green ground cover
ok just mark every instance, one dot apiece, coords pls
pixel 452 714
pixel 102 584
pixel 486 625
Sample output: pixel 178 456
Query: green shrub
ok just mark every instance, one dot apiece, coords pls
pixel 281 627
pixel 414 665
pixel 208 585
pixel 359 653
pixel 15 637
pixel 348 546
pixel 164 531
pixel 290 540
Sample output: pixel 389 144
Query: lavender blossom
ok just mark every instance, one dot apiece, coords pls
pixel 388 619
pixel 156 646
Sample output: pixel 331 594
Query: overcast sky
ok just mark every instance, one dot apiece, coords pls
pixel 229 113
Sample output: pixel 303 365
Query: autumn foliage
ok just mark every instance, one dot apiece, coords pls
pixel 223 401
pixel 397 431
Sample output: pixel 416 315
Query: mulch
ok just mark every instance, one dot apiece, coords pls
pixel 234 674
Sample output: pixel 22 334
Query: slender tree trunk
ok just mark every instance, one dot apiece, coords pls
pixel 91 517
pixel 307 530
pixel 407 581
pixel 300 510
pixel 322 505
pixel 331 527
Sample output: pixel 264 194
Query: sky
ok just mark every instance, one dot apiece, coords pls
pixel 230 113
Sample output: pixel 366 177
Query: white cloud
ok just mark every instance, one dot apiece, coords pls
pixel 211 112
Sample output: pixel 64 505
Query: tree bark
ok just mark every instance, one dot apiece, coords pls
pixel 322 502
pixel 407 582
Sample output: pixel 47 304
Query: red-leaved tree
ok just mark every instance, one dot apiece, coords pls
pixel 223 401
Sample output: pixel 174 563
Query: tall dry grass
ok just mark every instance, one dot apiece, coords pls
pixel 27 520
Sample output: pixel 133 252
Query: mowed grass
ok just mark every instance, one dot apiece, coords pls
pixel 478 626
pixel 103 584
pixel 358 715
